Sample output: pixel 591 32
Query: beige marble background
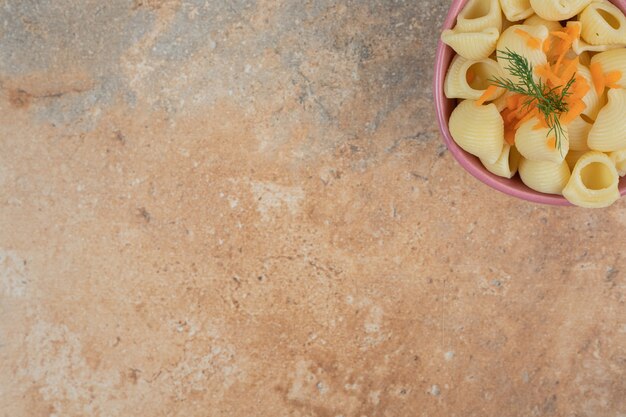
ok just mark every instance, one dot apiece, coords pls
pixel 243 208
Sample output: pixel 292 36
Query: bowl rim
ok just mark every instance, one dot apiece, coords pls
pixel 477 170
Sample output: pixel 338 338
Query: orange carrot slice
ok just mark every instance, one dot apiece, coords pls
pixel 573 31
pixel 597 76
pixel 575 109
pixel 551 76
pixel 580 89
pixel 515 101
pixel 611 79
pixel 569 69
pixel 487 95
pixel 531 41
pixel 561 35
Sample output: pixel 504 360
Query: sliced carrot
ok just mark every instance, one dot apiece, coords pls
pixel 551 76
pixel 509 131
pixel 534 43
pixel 531 41
pixel 540 70
pixel 597 76
pixel 543 70
pixel 573 31
pixel 514 101
pixel 569 69
pixel 511 101
pixel 559 61
pixel 579 91
pixel 510 117
pixel 611 79
pixel 487 95
pixel 560 34
pixel 566 41
pixel 552 142
pixel 547 44
pixel 575 109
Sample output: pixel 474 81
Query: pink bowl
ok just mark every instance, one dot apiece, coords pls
pixel 444 107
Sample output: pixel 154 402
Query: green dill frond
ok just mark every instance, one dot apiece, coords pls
pixel 549 101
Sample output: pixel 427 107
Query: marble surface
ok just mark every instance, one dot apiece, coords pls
pixel 243 208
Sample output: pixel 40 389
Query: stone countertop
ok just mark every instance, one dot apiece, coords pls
pixel 243 208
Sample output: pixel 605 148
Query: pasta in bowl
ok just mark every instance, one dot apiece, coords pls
pixel 531 97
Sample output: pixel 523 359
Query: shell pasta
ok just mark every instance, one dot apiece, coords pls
pixel 573 157
pixel 507 164
pixel 526 41
pixel 608 133
pixel 472 45
pixel 480 14
pixel 594 181
pixel 540 90
pixel 619 159
pixel 558 9
pixel 534 143
pixel 544 176
pixel 593 101
pixel 516 10
pixel 479 130
pixel 469 79
pixel 578 132
pixel 535 20
pixel 603 24
pixel 608 63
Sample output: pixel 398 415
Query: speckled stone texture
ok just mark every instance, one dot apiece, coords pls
pixel 243 208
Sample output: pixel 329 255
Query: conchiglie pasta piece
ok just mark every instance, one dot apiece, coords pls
pixel 572 157
pixel 578 132
pixel 478 15
pixel 619 159
pixel 472 45
pixel 603 24
pixel 613 61
pixel 526 41
pixel 544 176
pixel 608 133
pixel 507 163
pixel 579 46
pixel 592 101
pixel 558 9
pixel 539 144
pixel 469 79
pixel 535 20
pixel 594 182
pixel 515 10
pixel 478 130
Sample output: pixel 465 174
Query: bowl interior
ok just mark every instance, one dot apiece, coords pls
pixel 444 107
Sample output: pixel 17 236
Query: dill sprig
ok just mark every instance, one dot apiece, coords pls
pixel 549 101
